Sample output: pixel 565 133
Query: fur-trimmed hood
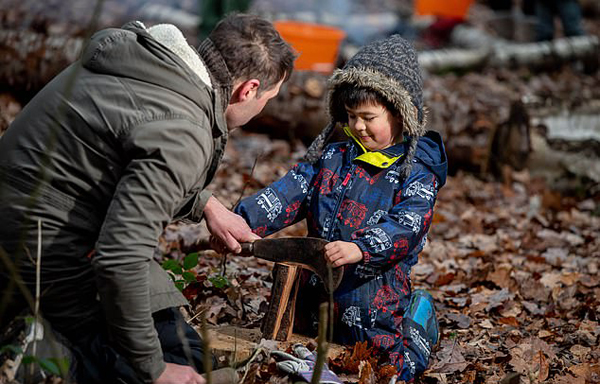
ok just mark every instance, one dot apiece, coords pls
pixel 389 88
pixel 389 67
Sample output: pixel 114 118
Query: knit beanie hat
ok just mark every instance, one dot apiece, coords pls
pixel 390 68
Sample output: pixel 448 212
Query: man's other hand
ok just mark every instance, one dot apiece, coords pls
pixel 227 227
pixel 179 374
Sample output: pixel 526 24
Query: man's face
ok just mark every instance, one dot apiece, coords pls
pixel 242 111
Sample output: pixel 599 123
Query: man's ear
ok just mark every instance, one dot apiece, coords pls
pixel 246 90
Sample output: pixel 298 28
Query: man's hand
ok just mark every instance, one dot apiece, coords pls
pixel 179 374
pixel 226 226
pixel 340 253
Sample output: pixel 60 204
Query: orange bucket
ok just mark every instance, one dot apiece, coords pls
pixel 316 44
pixel 447 8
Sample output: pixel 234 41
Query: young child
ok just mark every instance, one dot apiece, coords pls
pixel 372 197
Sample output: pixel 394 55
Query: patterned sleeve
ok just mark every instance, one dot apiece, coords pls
pixel 400 234
pixel 282 203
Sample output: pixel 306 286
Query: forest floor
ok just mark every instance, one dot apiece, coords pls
pixel 513 267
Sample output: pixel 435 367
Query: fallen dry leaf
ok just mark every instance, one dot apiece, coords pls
pixel 450 358
pixel 542 367
pixel 365 373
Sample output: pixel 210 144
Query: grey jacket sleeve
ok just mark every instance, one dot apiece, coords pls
pixel 193 210
pixel 168 159
pixel 202 200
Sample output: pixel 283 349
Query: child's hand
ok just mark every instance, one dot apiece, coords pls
pixel 339 253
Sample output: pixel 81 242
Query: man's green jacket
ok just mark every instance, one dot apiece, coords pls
pixel 105 156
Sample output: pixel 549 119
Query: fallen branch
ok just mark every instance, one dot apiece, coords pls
pixel 485 50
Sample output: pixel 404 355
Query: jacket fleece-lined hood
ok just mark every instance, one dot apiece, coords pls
pixel 150 58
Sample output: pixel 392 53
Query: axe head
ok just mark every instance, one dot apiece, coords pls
pixel 307 252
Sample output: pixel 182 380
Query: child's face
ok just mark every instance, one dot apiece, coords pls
pixel 374 126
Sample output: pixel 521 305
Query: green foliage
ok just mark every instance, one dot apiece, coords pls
pixel 190 261
pixel 53 365
pixel 188 277
pixel 14 349
pixel 179 284
pixel 219 281
pixel 58 366
pixel 170 264
pixel 181 270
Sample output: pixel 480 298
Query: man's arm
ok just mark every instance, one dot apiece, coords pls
pixel 226 226
pixel 165 157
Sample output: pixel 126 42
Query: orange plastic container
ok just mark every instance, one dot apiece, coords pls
pixel 448 8
pixel 317 45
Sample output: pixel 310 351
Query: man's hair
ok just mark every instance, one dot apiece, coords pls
pixel 352 96
pixel 253 49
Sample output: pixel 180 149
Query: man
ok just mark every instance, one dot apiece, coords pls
pixel 101 160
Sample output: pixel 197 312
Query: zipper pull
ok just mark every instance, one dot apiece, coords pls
pixel 347 179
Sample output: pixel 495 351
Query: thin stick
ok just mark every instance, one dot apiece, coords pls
pixel 322 345
pixel 206 346
pixel 330 276
pixel 248 182
pixel 38 272
pixel 195 316
pixel 257 356
pixel 36 307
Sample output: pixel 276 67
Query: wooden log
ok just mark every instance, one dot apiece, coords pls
pixel 543 55
pixel 477 49
pixel 279 319
pixel 550 54
pixel 232 345
pixel 566 150
pixel 452 59
pixel 28 60
pixel 39 39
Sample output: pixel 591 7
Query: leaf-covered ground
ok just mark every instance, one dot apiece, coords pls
pixel 513 268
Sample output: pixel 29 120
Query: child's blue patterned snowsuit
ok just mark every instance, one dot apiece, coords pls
pixel 345 198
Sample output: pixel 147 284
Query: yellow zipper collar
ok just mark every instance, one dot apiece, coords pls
pixel 377 159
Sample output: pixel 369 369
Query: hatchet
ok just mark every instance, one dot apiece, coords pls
pixel 306 252
pixel 288 253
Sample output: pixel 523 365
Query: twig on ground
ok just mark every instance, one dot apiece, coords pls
pixel 322 345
